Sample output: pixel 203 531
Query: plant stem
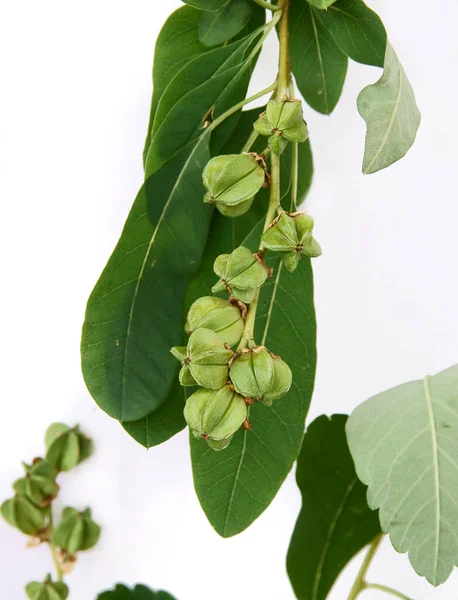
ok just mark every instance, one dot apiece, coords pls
pixel 240 105
pixel 267 5
pixel 388 590
pixel 284 69
pixel 360 582
pixel 52 548
pixel 250 141
pixel 248 332
pixel 294 175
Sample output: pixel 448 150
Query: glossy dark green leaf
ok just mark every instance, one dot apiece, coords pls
pixel 318 64
pixel 357 30
pixel 133 315
pixel 169 58
pixel 335 522
pixel 203 89
pixel 218 27
pixel 207 4
pixel 139 592
pixel 162 424
pixel 236 485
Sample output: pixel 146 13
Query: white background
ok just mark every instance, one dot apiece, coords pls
pixel 74 103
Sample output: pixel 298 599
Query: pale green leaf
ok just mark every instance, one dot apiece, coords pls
pixel 321 4
pixel 391 114
pixel 405 445
pixel 318 64
pixel 335 522
pixel 207 4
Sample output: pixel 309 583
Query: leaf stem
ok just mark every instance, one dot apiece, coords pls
pixel 360 582
pixel 250 141
pixel 388 590
pixel 248 332
pixel 268 5
pixel 240 105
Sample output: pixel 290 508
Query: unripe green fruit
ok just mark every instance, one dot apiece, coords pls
pixel 241 274
pixel 25 516
pixel 47 590
pixel 39 484
pixel 215 415
pixel 232 181
pixel 76 531
pixel 291 236
pixel 260 375
pixel 282 122
pixel 216 314
pixel 205 360
pixel 66 447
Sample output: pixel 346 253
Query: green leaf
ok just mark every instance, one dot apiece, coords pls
pixel 391 114
pixel 217 27
pixel 236 485
pixel 321 4
pixel 207 4
pixel 318 64
pixel 140 592
pixel 169 58
pixel 162 424
pixel 335 522
pixel 357 30
pixel 405 443
pixel 133 316
pixel 217 79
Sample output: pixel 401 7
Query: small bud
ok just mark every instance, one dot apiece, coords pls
pixel 25 516
pixel 232 182
pixel 260 375
pixel 215 415
pixel 47 590
pixel 282 122
pixel 39 484
pixel 241 274
pixel 76 531
pixel 216 314
pixel 206 360
pixel 66 447
pixel 291 236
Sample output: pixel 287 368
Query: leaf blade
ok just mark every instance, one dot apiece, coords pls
pixel 320 548
pixel 413 436
pixel 391 114
pixel 236 485
pixel 318 64
pixel 218 27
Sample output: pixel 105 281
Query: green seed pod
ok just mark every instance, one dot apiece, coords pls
pixel 25 516
pixel 215 415
pixel 76 531
pixel 260 375
pixel 232 181
pixel 241 274
pixel 291 236
pixel 282 122
pixel 47 590
pixel 66 447
pixel 205 360
pixel 39 484
pixel 216 314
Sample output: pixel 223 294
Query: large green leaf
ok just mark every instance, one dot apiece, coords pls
pixel 134 313
pixel 236 485
pixel 204 88
pixel 391 114
pixel 218 27
pixel 405 445
pixel 318 64
pixel 335 522
pixel 139 592
pixel 169 58
pixel 357 30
